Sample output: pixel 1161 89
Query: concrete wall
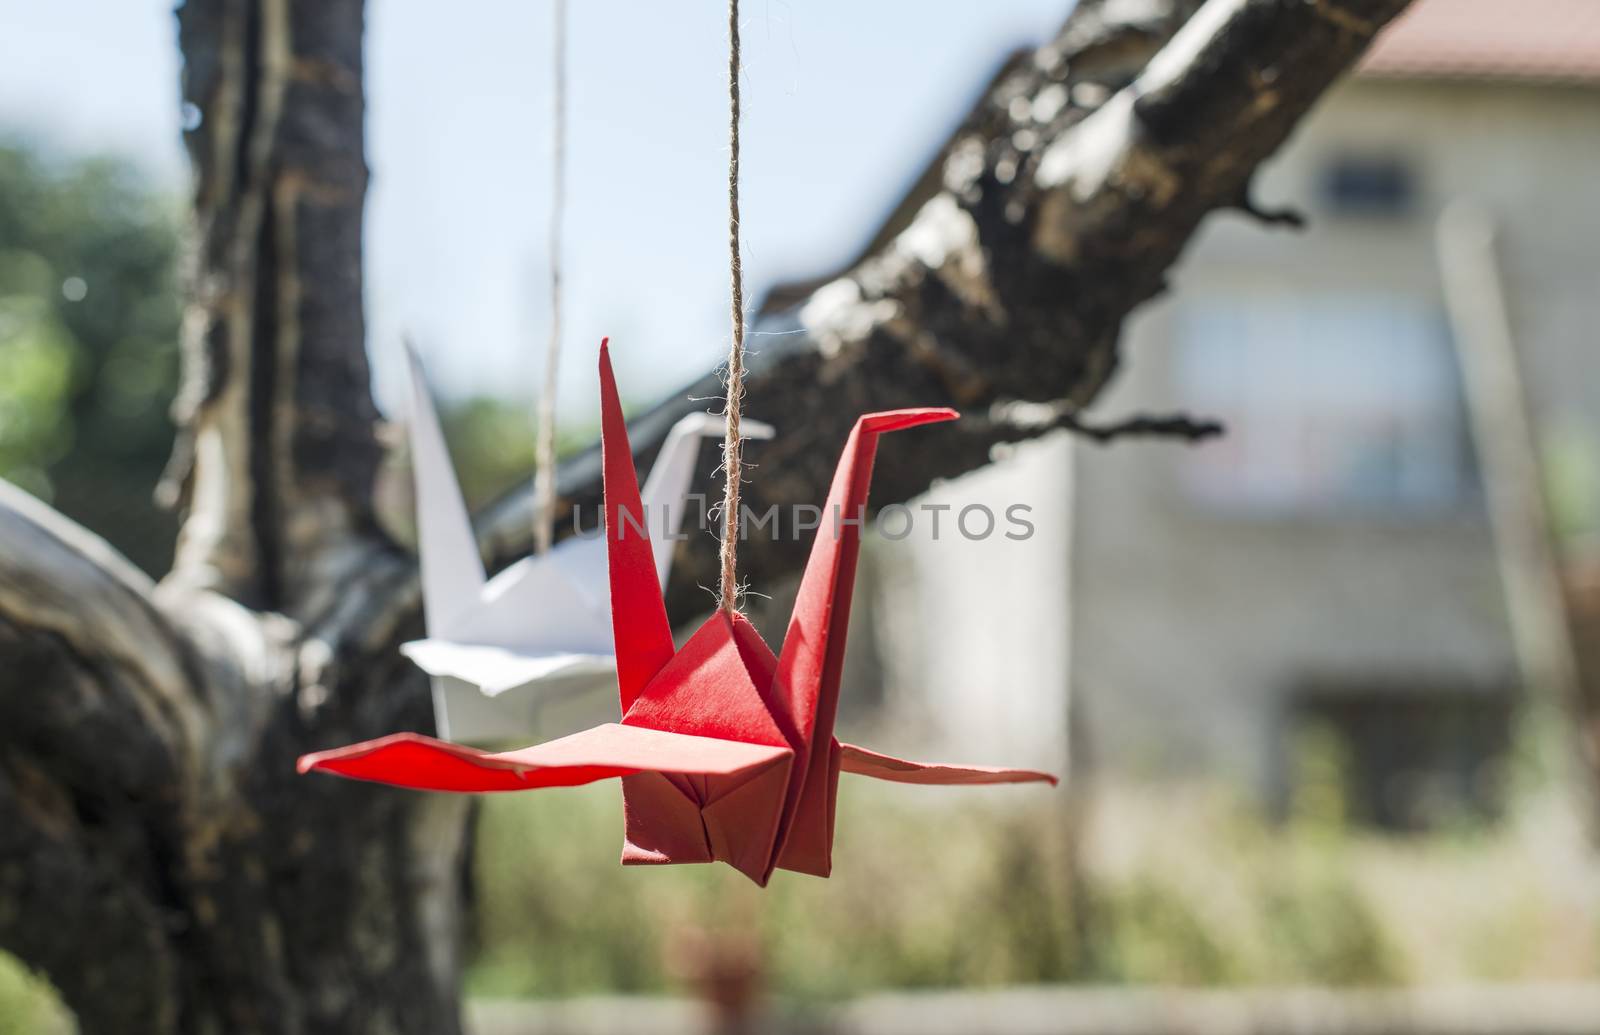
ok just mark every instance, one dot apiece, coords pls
pixel 974 629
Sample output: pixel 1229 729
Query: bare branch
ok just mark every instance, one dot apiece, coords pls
pixel 1016 420
pixel 1284 216
pixel 1145 425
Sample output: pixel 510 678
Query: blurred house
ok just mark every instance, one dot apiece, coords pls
pixel 1329 562
pixel 1328 565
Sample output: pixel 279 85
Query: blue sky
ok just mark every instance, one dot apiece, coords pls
pixel 844 102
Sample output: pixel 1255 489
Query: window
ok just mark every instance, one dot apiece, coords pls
pixel 1401 755
pixel 1368 186
pixel 1332 402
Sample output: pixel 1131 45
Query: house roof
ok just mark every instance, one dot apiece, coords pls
pixel 1546 40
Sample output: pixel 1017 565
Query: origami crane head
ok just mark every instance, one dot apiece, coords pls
pixel 496 647
pixel 725 751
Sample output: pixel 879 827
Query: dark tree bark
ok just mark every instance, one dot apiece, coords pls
pixel 159 859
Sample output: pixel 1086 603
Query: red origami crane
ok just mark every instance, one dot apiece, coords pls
pixel 725 752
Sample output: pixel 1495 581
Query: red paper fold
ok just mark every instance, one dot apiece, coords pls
pixel 725 751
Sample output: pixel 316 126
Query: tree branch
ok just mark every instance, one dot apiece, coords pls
pixel 1056 210
pixel 147 746
pixel 57 890
pixel 1018 420
pixel 277 449
pixel 104 732
pixel 1144 425
pixel 65 592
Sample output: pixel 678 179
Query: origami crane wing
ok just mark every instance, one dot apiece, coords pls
pixel 540 605
pixel 537 628
pixel 493 671
pixel 611 750
pixel 556 648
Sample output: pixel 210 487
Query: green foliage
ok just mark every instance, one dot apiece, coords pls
pixel 924 898
pixel 1189 887
pixel 35 380
pixel 1321 801
pixel 1325 932
pixel 1571 470
pixel 28 1005
pixel 1154 935
pixel 88 343
pixel 492 445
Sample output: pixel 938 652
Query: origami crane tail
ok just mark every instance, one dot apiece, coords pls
pixel 452 569
pixel 808 846
pixel 859 760
pixel 807 681
pixel 639 624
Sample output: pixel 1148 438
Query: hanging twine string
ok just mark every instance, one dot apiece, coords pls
pixel 544 477
pixel 731 459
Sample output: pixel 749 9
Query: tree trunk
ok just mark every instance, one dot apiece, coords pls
pixel 159 859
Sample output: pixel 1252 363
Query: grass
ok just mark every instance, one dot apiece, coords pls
pixel 562 917
pixel 1182 885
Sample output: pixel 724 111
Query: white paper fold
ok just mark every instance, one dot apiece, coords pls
pixel 541 626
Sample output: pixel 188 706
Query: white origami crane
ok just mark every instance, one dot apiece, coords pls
pixel 542 627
